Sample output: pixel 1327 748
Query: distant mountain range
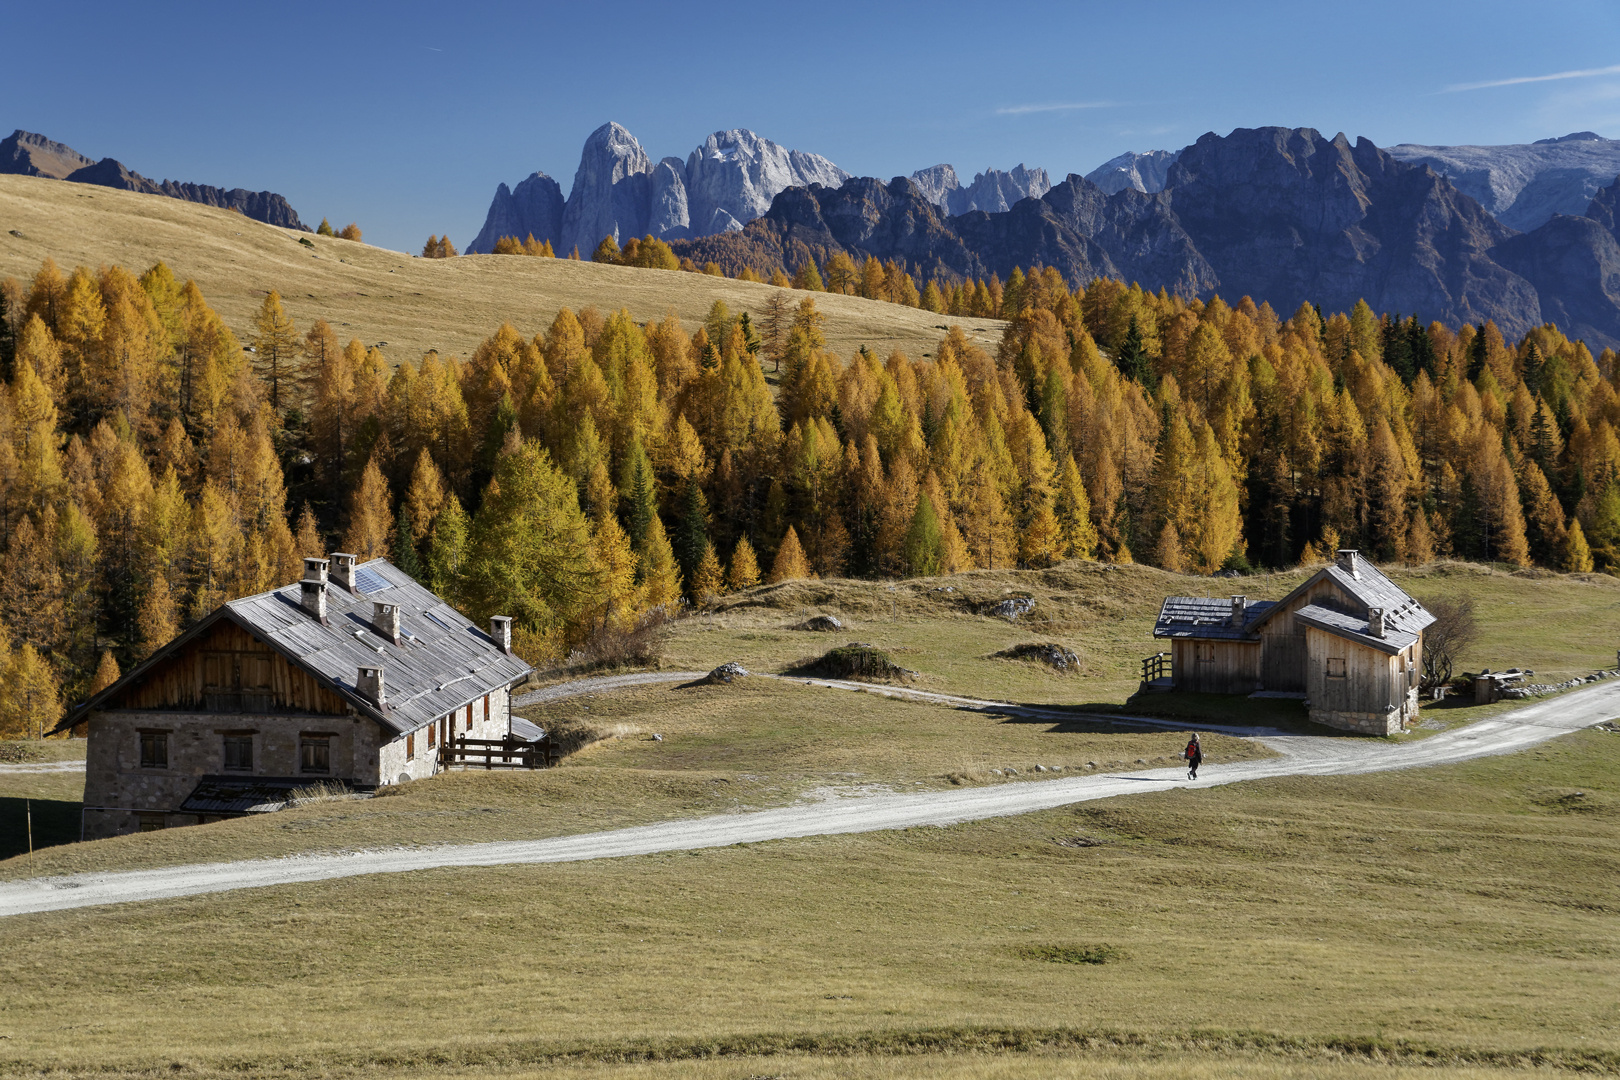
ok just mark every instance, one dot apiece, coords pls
pixel 1521 185
pixel 1286 216
pixel 721 186
pixel 28 154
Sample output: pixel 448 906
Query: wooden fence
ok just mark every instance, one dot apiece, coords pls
pixel 508 753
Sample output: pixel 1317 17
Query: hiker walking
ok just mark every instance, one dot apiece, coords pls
pixel 1194 755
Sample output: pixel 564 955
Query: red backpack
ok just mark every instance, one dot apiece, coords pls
pixel 1193 750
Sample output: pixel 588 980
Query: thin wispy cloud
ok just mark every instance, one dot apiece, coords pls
pixel 1065 106
pixel 1584 73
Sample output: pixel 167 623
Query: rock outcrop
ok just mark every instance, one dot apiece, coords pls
pixel 612 192
pixel 27 154
pixel 1524 185
pixel 1140 172
pixel 534 208
pixel 992 191
pixel 732 178
pixel 34 155
pixel 721 186
pixel 110 172
pixel 670 216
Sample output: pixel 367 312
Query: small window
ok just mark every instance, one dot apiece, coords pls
pixel 469 716
pixel 1335 667
pixel 1204 652
pixel 432 731
pixel 154 750
pixel 238 753
pixel 150 822
pixel 314 754
pixel 410 746
pixel 486 710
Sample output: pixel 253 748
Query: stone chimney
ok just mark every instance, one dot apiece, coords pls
pixel 343 569
pixel 500 628
pixel 1240 608
pixel 1347 562
pixel 312 589
pixel 385 620
pixel 1375 622
pixel 370 684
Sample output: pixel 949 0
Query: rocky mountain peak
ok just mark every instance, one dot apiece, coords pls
pixel 29 154
pixel 1144 172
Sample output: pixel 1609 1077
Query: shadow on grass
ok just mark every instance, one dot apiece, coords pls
pixel 56 822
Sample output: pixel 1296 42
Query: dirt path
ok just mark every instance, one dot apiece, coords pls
pixel 43 766
pixel 1301 755
pixel 599 683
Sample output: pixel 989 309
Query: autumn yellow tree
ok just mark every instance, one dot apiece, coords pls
pixel 371 522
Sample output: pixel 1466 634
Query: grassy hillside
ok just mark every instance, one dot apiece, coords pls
pixel 1558 625
pixel 1455 916
pixel 380 295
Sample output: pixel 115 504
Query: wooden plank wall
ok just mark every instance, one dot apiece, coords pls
pixel 229 661
pixel 1370 680
pixel 1285 656
pixel 1233 666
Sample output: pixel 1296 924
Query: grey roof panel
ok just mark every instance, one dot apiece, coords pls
pixel 1355 629
pixel 1207 617
pixel 441 664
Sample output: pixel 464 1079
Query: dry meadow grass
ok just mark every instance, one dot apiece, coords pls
pixel 1559 625
pixel 378 295
pixel 1461 916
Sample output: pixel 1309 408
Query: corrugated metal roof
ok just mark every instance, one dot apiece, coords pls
pixel 1355 629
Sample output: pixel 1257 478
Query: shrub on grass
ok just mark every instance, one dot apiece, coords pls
pixel 1073 954
pixel 858 661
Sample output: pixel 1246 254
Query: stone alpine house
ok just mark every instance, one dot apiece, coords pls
pixel 355 678
pixel 1349 641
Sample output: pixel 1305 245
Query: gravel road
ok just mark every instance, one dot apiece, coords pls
pixel 43 766
pixel 1308 755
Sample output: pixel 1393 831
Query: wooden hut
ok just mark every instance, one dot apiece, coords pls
pixel 1348 641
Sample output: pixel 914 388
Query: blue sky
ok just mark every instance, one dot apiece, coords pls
pixel 404 116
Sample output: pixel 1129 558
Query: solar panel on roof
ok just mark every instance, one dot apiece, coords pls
pixel 438 620
pixel 368 580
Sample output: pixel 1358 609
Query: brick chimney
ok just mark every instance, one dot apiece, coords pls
pixel 1240 608
pixel 500 628
pixel 370 684
pixel 1375 622
pixel 312 589
pixel 385 620
pixel 1347 562
pixel 343 569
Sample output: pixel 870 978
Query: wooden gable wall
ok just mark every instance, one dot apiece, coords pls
pixel 1284 656
pixel 227 669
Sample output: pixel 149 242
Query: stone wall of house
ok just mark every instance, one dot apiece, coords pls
pixel 118 790
pixel 415 755
pixel 1364 722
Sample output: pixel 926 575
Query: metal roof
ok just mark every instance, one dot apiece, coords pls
pixel 1207 617
pixel 442 661
pixel 1355 629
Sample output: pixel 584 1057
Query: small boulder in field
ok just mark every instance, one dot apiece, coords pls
pixel 821 624
pixel 1044 652
pixel 1010 609
pixel 726 673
